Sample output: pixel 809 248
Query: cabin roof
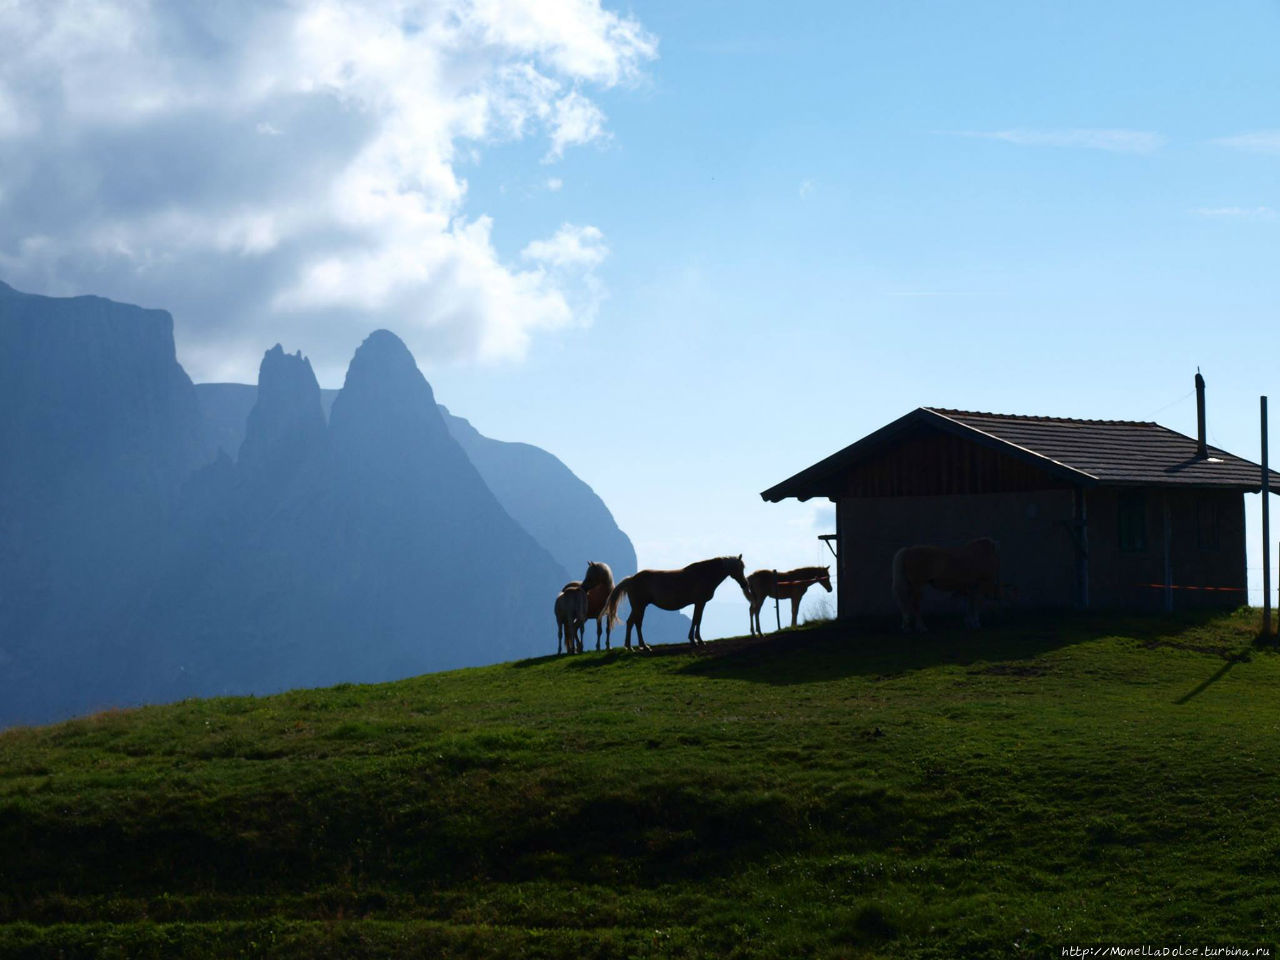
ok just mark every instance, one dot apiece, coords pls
pixel 1080 452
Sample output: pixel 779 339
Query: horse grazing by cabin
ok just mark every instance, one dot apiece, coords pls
pixel 571 617
pixel 971 571
pixel 784 585
pixel 673 589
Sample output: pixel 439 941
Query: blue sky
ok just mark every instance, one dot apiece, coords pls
pixel 819 222
pixel 689 248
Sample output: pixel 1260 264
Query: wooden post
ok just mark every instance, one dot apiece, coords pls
pixel 1082 549
pixel 1168 556
pixel 1266 528
pixel 776 615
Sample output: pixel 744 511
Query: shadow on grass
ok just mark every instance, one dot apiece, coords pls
pixel 1243 655
pixel 840 649
pixel 1221 672
pixel 876 648
pixel 589 659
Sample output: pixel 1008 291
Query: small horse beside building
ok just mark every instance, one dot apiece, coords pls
pixel 673 589
pixel 787 585
pixel 971 571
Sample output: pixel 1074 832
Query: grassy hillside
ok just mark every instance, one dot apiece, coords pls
pixel 997 793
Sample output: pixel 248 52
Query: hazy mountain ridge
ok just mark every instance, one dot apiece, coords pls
pixel 361 550
pixel 535 487
pixel 141 559
pixel 100 428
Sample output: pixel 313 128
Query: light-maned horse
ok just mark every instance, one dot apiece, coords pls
pixel 598 582
pixel 971 571
pixel 673 589
pixel 783 585
pixel 571 617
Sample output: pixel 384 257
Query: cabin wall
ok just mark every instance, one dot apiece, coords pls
pixel 1206 549
pixel 1038 555
pixel 1033 529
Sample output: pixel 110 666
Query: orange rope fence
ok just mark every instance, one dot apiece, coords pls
pixel 1175 586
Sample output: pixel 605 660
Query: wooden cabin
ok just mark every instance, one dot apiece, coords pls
pixel 1088 513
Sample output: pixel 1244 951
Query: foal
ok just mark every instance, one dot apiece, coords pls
pixel 571 616
pixel 784 585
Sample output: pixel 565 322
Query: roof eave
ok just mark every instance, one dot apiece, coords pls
pixel 824 468
pixel 812 476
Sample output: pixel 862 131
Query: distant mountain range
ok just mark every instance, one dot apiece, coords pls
pixel 543 495
pixel 160 539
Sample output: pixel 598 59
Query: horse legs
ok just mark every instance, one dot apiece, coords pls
pixel 911 611
pixel 598 631
pixel 559 635
pixel 757 604
pixel 637 615
pixel 636 618
pixel 795 608
pixel 971 619
pixel 695 628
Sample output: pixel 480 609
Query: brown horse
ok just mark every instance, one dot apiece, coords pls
pixel 787 585
pixel 673 589
pixel 571 616
pixel 598 582
pixel 971 571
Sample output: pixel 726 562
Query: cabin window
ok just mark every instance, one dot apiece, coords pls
pixel 1207 523
pixel 1132 517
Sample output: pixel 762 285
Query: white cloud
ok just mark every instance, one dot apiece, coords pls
pixel 1115 141
pixel 1236 213
pixel 1259 141
pixel 574 120
pixel 292 170
pixel 554 184
pixel 571 246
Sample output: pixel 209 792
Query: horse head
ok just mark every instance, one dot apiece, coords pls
pixel 597 573
pixel 825 579
pixel 735 568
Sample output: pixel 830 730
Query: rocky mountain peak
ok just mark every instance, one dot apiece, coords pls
pixel 286 425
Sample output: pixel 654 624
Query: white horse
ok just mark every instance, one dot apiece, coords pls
pixel 571 616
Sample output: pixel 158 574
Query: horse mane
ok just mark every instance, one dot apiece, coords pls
pixel 715 561
pixel 598 573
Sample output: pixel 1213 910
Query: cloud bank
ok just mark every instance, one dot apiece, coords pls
pixel 290 170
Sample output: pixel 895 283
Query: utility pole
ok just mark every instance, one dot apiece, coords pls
pixel 1266 530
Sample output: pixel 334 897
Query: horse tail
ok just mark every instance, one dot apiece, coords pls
pixel 611 608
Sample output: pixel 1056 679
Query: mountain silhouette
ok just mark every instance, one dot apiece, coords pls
pixel 161 540
pixel 361 550
pixel 101 426
pixel 535 487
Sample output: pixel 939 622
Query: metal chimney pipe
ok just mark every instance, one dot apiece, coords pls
pixel 1202 450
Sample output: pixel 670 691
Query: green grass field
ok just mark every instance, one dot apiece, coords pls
pixel 820 793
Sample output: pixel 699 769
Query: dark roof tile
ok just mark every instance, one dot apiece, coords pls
pixel 1091 452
